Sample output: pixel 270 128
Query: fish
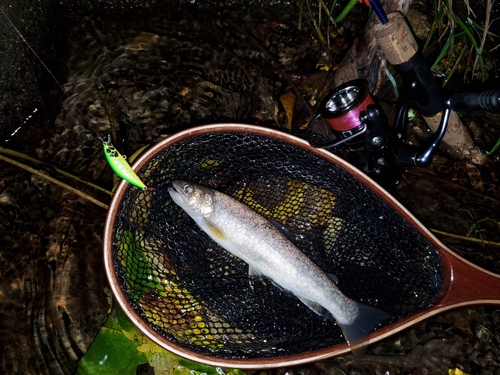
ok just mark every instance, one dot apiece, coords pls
pixel 269 253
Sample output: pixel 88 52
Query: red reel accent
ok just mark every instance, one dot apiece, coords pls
pixel 350 120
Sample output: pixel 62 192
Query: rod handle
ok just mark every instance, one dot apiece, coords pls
pixel 487 100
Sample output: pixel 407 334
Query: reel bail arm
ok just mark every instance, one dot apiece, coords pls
pixel 486 100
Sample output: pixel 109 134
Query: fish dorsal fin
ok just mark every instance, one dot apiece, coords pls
pixel 213 230
pixel 318 309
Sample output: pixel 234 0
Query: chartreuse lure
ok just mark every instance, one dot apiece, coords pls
pixel 120 165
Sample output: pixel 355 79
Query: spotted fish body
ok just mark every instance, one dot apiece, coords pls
pixel 252 238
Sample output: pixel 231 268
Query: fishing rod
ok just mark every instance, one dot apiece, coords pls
pixel 115 159
pixel 358 122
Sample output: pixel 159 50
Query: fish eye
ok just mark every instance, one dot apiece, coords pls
pixel 188 189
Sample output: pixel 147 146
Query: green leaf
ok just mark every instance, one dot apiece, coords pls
pixel 120 347
pixel 122 321
pixel 136 268
pixel 494 148
pixel 111 353
pixel 437 19
pixel 445 49
pixel 475 44
pixel 481 28
pixel 346 10
pixel 459 58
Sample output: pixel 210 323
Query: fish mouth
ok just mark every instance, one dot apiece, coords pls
pixel 175 191
pixel 171 188
pixel 174 186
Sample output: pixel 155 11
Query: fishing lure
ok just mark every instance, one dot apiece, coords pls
pixel 120 165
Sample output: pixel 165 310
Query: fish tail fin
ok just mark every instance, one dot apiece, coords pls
pixel 368 319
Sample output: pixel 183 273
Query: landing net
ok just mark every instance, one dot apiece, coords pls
pixel 197 295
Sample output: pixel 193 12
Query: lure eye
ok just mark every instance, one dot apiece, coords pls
pixel 110 150
pixel 188 189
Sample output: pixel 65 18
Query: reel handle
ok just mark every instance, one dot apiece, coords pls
pixel 487 100
pixel 422 157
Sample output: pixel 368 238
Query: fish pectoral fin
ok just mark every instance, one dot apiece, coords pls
pixel 367 320
pixel 317 308
pixel 214 230
pixel 333 277
pixel 282 229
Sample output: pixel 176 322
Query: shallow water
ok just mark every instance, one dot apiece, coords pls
pixel 165 73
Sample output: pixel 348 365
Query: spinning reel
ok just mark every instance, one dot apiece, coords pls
pixel 358 122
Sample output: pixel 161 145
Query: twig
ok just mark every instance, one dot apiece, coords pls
pixel 53 180
pixel 20 155
pixel 465 238
pixel 498 45
pixel 328 13
pixel 420 172
pixel 489 6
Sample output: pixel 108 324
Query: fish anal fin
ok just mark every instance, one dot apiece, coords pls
pixel 368 320
pixel 214 231
pixel 318 309
pixel 253 271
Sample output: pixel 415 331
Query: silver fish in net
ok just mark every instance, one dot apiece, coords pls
pixel 268 252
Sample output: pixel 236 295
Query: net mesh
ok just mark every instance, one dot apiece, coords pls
pixel 197 295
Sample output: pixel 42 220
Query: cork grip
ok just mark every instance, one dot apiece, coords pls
pixel 456 136
pixel 395 39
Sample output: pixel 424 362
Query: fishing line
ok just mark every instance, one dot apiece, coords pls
pixel 116 161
